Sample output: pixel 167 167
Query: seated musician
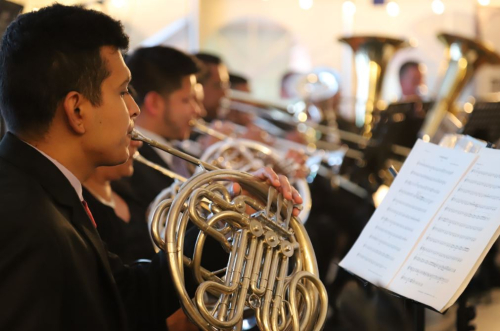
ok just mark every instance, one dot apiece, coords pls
pixel 411 79
pixel 121 224
pixel 239 83
pixel 164 81
pixel 64 96
pixel 215 81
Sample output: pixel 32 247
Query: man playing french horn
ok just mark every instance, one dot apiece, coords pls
pixel 64 95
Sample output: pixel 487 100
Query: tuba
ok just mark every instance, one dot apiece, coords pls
pixel 271 271
pixel 371 56
pixel 465 56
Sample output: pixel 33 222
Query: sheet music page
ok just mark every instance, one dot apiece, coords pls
pixel 457 237
pixel 427 177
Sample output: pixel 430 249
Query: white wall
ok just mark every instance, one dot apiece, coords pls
pixel 314 33
pixel 144 19
pixel 265 38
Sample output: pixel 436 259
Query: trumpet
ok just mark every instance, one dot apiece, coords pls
pixel 272 268
pixel 293 114
pixel 286 117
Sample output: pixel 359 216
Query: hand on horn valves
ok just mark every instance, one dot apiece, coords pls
pixel 280 182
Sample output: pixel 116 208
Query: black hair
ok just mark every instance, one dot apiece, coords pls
pixel 235 79
pixel 159 69
pixel 406 66
pixel 47 54
pixel 208 58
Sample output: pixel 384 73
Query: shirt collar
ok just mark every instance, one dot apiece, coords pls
pixel 68 174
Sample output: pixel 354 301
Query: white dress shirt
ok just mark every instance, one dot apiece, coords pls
pixel 68 174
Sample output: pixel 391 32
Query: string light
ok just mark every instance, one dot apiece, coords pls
pixel 437 7
pixel 392 8
pixel 348 8
pixel 306 4
pixel 484 2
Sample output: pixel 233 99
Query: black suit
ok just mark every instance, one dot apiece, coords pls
pixel 145 184
pixel 55 273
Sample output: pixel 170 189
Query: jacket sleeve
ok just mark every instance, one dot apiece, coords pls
pixel 31 276
pixel 147 291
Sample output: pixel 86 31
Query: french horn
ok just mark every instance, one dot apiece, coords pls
pixel 248 155
pixel 271 270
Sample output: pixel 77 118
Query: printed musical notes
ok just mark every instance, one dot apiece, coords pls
pixel 429 275
pixel 434 227
pixel 456 238
pixel 462 225
pixel 425 180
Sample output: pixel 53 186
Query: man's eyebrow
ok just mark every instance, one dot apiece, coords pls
pixel 126 81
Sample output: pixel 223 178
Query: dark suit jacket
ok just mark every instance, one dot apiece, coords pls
pixel 145 184
pixel 55 273
pixel 131 240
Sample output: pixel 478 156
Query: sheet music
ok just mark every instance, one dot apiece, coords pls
pixel 456 238
pixel 427 177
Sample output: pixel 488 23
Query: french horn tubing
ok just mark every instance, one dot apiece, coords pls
pixel 248 155
pixel 272 268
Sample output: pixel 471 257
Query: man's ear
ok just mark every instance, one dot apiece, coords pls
pixel 75 111
pixel 153 104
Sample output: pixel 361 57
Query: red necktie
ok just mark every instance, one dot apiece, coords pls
pixel 86 207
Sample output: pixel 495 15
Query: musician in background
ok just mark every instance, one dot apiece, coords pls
pixel 288 86
pixel 245 118
pixel 215 81
pixel 411 79
pixel 164 81
pixel 121 224
pixel 239 83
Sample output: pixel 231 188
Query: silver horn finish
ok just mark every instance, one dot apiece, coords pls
pixel 271 269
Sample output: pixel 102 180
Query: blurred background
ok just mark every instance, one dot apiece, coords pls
pixel 263 39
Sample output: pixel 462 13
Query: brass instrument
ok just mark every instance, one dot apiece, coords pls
pixel 465 56
pixel 332 152
pixel 371 56
pixel 169 173
pixel 272 268
pixel 289 113
pixel 248 155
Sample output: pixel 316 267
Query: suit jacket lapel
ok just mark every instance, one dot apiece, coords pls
pixel 149 153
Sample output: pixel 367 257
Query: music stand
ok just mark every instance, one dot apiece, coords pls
pixel 397 126
pixel 484 122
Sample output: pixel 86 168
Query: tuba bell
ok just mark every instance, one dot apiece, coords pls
pixel 271 270
pixel 371 56
pixel 464 57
